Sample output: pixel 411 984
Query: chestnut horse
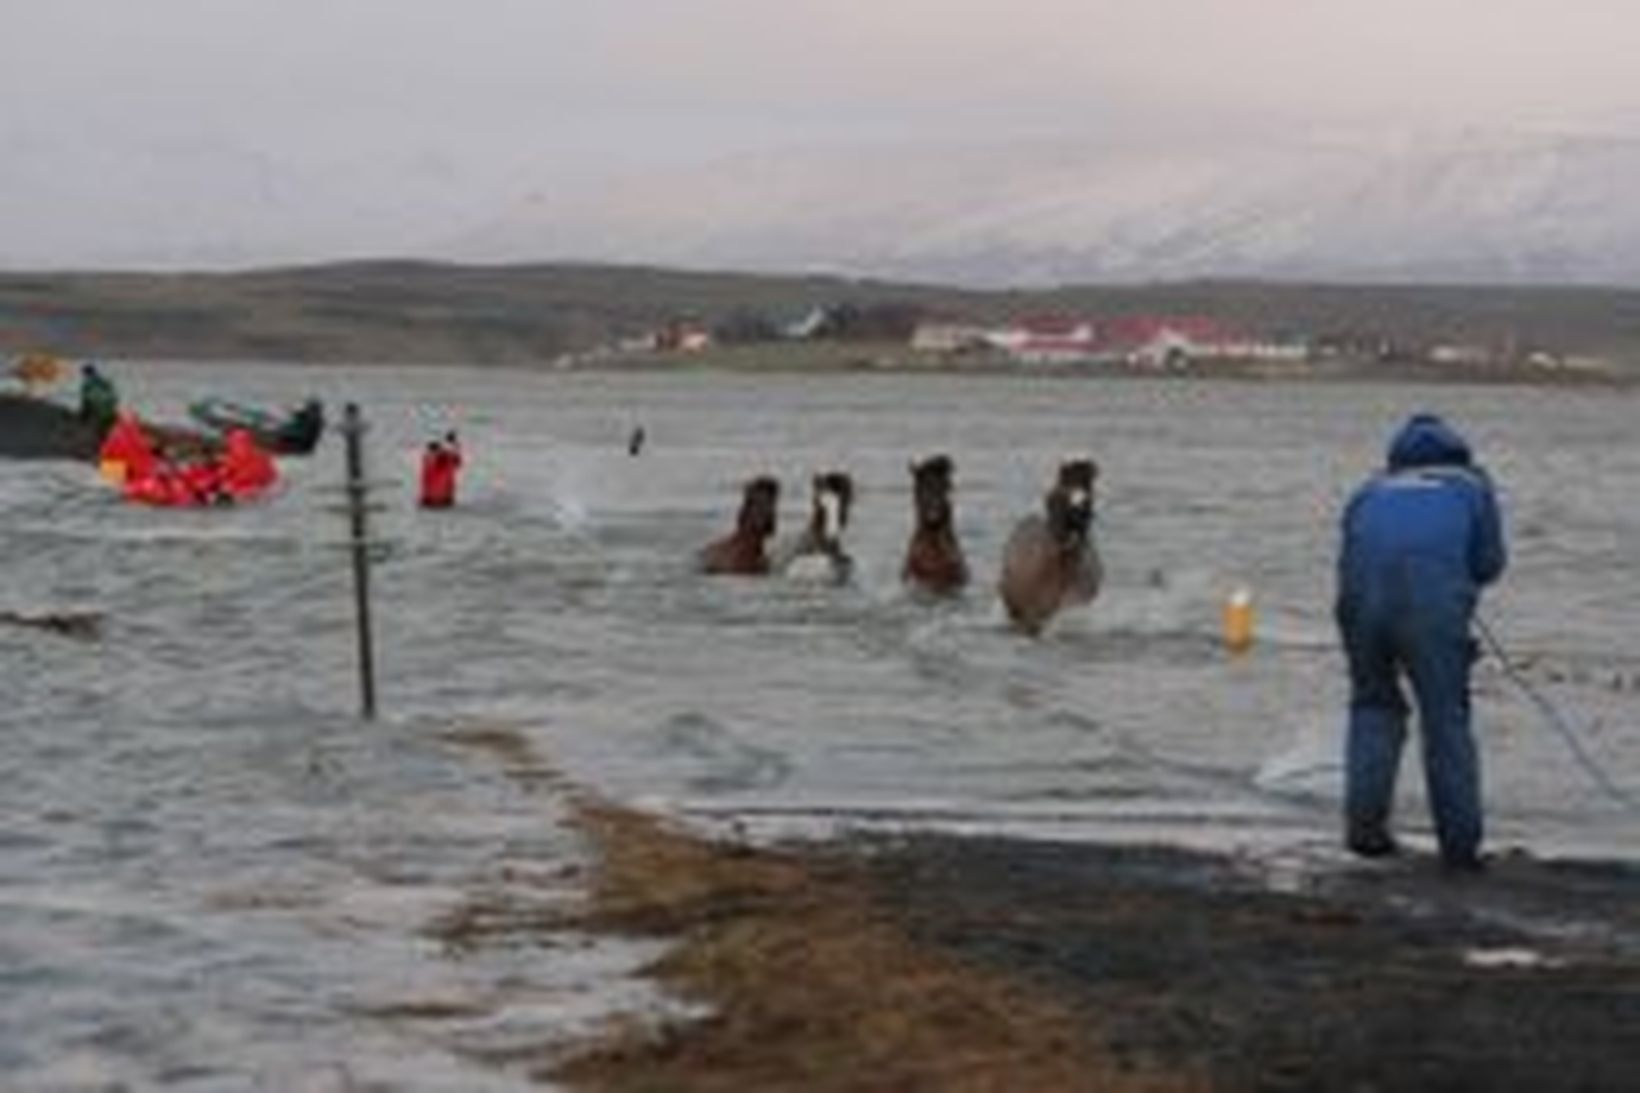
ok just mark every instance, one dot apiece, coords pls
pixel 1050 562
pixel 742 553
pixel 819 553
pixel 933 558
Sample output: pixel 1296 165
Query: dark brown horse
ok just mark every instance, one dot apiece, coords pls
pixel 742 552
pixel 1050 562
pixel 819 553
pixel 933 558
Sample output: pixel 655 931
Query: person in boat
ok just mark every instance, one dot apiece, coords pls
pixel 301 431
pixel 440 466
pixel 242 472
pixel 1420 539
pixel 1050 562
pixel 126 453
pixel 743 552
pixel 99 399
pixel 244 469
pixel 206 482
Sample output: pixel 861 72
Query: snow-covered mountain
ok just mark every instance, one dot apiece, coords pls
pixel 1469 207
pixel 1455 207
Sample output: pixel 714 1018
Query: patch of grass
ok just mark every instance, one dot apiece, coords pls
pixel 502 741
pixel 810 987
pixel 495 921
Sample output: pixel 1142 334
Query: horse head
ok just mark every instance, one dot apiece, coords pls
pixel 933 557
pixel 833 496
pixel 1070 502
pixel 741 551
pixel 931 493
pixel 759 504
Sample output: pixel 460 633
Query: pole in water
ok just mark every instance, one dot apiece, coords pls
pixel 353 427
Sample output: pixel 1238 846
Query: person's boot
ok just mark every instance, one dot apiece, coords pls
pixel 1372 842
pixel 1468 865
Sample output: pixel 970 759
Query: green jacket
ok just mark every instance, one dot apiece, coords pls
pixel 99 399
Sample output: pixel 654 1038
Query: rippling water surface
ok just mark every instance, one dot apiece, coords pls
pixel 211 875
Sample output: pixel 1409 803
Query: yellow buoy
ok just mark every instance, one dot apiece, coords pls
pixel 1238 620
pixel 113 471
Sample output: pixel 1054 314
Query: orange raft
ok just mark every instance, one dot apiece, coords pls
pixel 242 472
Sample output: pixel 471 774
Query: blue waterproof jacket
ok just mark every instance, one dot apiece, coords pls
pixel 1425 533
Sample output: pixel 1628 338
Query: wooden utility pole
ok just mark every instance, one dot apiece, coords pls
pixel 358 511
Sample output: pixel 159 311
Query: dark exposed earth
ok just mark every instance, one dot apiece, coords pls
pixel 1391 976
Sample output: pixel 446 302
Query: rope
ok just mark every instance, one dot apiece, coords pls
pixel 1553 718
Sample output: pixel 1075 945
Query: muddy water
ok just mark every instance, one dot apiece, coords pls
pixel 211 875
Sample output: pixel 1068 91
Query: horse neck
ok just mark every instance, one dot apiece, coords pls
pixel 1070 546
pixel 943 536
pixel 815 537
pixel 935 555
pixel 748 540
pixel 751 523
pixel 815 542
pixel 754 555
pixel 832 503
pixel 746 549
pixel 1062 534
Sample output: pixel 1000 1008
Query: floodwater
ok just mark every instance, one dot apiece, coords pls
pixel 213 877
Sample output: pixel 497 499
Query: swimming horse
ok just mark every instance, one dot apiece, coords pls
pixel 1050 562
pixel 933 558
pixel 818 554
pixel 742 552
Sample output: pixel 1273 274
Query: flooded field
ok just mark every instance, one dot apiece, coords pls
pixel 211 874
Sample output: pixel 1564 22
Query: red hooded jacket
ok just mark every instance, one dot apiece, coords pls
pixel 439 465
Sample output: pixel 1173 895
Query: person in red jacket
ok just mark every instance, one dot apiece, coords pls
pixel 245 470
pixel 440 464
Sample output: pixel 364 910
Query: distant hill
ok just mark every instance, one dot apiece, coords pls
pixel 400 311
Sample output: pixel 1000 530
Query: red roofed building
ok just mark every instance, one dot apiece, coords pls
pixel 1167 339
pixel 1157 341
pixel 1048 340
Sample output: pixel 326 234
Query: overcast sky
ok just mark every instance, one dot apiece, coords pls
pixel 323 106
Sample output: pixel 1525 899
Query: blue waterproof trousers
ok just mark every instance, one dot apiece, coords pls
pixel 1431 644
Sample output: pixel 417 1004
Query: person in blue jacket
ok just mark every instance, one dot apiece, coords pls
pixel 1420 540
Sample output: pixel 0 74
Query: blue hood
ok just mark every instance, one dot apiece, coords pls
pixel 1427 441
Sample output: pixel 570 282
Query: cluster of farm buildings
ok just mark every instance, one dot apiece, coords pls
pixel 1155 341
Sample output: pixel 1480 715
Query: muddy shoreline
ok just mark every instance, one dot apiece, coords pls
pixel 1391 977
pixel 972 964
pixel 1156 968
